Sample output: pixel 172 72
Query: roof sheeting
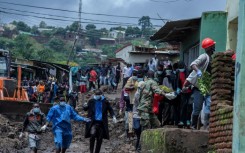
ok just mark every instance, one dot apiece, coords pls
pixel 176 30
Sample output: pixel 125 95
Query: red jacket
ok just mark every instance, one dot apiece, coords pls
pixel 93 76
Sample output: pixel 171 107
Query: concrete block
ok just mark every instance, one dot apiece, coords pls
pixel 173 140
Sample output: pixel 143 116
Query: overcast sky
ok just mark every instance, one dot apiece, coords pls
pixel 167 9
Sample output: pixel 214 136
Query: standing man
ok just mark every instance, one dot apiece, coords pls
pixel 126 74
pixel 33 123
pixel 200 65
pixel 92 79
pixel 40 91
pixel 98 109
pixel 53 92
pixel 129 92
pixel 118 74
pixel 60 115
pixel 148 118
pixel 112 75
pixel 103 74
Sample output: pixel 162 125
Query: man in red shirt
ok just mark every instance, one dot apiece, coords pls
pixel 92 78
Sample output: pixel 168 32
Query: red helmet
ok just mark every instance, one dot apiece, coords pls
pixel 207 42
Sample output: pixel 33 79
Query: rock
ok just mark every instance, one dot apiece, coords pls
pixel 11 135
pixel 172 140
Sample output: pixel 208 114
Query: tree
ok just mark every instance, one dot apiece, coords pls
pixel 109 50
pixel 23 26
pixel 23 47
pixel 120 28
pixel 6 43
pixel 47 33
pixel 145 22
pixel 56 44
pixel 60 31
pixel 34 30
pixel 104 32
pixel 42 24
pixel 90 27
pixel 74 26
pixel 133 31
pixel 46 55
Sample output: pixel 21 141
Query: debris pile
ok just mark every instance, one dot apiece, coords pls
pixel 222 91
pixel 9 136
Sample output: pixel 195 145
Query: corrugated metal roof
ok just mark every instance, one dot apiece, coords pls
pixel 176 30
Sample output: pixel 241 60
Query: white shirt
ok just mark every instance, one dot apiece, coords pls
pixel 126 72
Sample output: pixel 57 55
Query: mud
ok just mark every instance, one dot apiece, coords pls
pixel 10 130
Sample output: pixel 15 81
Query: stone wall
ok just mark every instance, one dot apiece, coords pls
pixel 222 91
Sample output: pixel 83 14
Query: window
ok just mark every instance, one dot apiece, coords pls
pixel 3 66
pixel 191 55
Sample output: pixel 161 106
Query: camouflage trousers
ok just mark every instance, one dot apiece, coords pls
pixel 148 120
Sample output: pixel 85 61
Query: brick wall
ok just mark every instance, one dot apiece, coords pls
pixel 222 91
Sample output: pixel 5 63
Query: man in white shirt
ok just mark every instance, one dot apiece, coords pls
pixel 126 74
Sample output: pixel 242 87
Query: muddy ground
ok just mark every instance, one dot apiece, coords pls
pixel 10 143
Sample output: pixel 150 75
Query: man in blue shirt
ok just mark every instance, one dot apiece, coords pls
pixel 98 109
pixel 60 115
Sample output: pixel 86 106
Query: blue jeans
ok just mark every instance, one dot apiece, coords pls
pixel 111 82
pixel 207 103
pixel 103 80
pixel 198 100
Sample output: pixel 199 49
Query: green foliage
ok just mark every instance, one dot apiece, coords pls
pixel 205 83
pixel 46 55
pixel 73 27
pixel 93 36
pixel 104 32
pixel 145 23
pixel 138 42
pixel 47 33
pixel 90 27
pixel 56 44
pixel 109 50
pixel 22 26
pixel 7 44
pixel 133 31
pixel 60 31
pixel 24 47
pixel 42 24
pixel 120 28
pixel 34 30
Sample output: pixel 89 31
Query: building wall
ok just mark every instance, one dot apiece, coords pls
pixel 141 58
pixel 124 53
pixel 214 25
pixel 191 40
pixel 232 23
pixel 232 7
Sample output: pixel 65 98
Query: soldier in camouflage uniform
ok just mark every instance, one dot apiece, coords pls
pixel 148 118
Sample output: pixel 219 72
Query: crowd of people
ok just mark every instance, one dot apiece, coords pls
pixel 153 95
pixel 160 94
pixel 94 77
pixel 45 91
